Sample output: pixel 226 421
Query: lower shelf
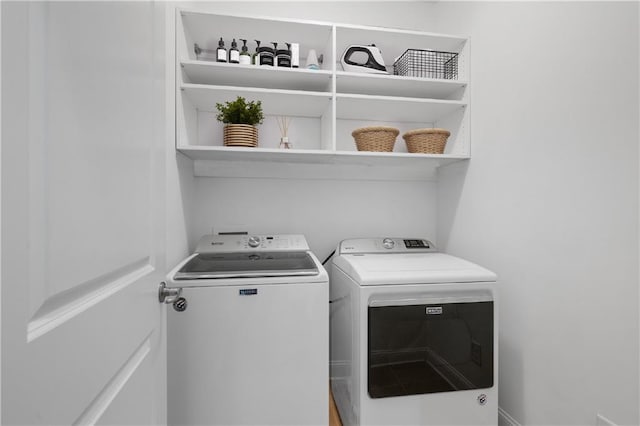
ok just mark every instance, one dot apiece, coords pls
pixel 216 161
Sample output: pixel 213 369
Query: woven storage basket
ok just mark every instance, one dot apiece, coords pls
pixel 375 138
pixel 426 141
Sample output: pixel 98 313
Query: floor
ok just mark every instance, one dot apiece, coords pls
pixel 334 417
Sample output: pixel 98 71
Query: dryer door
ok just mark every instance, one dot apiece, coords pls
pixel 438 346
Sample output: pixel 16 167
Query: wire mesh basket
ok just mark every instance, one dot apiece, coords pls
pixel 428 64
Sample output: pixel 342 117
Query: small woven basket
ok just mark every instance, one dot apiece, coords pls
pixel 375 138
pixel 426 141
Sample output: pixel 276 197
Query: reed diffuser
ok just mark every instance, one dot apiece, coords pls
pixel 283 124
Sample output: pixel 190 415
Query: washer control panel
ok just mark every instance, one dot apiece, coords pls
pixel 385 245
pixel 239 243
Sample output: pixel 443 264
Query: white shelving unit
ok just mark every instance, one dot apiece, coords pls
pixel 326 105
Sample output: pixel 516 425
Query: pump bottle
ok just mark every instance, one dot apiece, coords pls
pixel 245 57
pixel 255 59
pixel 283 56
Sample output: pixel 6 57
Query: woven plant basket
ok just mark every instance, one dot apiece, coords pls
pixel 426 141
pixel 241 135
pixel 375 138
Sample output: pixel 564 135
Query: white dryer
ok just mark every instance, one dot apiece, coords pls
pixel 413 335
pixel 248 340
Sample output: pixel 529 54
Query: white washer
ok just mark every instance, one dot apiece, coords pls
pixel 413 335
pixel 252 345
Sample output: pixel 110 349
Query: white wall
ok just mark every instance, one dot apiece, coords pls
pixel 392 14
pixel 180 181
pixel 550 200
pixel 180 206
pixel 325 211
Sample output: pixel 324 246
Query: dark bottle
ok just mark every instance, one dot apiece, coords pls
pixel 234 53
pixel 264 55
pixel 221 52
pixel 283 56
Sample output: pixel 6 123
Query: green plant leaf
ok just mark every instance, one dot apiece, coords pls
pixel 240 112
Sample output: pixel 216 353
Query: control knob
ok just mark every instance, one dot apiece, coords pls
pixel 388 243
pixel 254 242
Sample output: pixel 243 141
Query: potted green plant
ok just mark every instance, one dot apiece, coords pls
pixel 240 118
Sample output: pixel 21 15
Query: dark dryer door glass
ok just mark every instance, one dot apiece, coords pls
pixel 419 349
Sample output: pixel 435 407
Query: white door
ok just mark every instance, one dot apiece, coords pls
pixel 83 179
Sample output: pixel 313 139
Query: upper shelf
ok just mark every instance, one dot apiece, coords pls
pixel 222 73
pixel 274 102
pixel 394 85
pixel 398 109
pixel 315 104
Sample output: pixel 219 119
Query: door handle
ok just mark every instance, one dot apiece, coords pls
pixel 168 295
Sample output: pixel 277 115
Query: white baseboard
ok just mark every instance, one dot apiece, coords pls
pixel 603 421
pixel 339 369
pixel 505 419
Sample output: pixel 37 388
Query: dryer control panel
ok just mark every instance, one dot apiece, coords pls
pixel 385 245
pixel 245 243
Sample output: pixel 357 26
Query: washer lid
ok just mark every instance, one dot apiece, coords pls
pixel 245 265
pixel 411 268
